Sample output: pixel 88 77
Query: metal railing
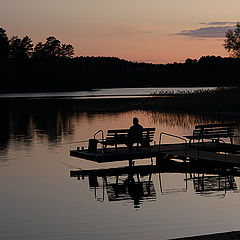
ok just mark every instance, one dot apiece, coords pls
pixel 95 134
pixel 175 136
pixel 225 153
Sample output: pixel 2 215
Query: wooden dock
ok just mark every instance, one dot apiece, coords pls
pixel 209 152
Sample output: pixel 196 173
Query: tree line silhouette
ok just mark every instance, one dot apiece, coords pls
pixel 21 49
pixel 51 66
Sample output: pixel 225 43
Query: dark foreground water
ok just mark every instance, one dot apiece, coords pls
pixel 39 199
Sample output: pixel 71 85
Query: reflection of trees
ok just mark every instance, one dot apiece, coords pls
pixel 23 120
pixel 52 123
pixel 4 132
pixel 21 125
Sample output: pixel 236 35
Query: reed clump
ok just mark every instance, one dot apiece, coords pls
pixel 218 100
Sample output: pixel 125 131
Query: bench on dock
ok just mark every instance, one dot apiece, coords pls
pixel 214 132
pixel 119 136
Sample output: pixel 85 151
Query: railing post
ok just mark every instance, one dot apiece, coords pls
pixel 94 136
pixel 171 135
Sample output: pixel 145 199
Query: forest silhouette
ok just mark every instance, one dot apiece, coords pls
pixel 51 66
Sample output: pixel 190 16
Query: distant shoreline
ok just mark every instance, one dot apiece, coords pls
pixel 105 92
pixel 108 88
pixel 216 102
pixel 215 236
pixel 89 73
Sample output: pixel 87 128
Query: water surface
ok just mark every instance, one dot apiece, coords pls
pixel 39 199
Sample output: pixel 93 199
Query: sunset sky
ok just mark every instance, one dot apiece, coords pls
pixel 158 31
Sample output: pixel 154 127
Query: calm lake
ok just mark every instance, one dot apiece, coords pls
pixel 39 199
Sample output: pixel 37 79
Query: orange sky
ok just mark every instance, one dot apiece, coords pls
pixel 138 30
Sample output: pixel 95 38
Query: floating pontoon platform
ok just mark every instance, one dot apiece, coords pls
pixel 210 152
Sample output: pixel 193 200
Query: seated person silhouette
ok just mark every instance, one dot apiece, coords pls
pixel 134 134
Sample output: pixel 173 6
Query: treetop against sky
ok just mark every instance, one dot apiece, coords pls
pixel 138 30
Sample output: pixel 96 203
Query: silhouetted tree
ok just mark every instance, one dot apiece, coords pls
pixel 20 48
pixel 190 61
pixel 232 43
pixel 4 45
pixel 53 48
pixel 67 51
pixel 27 46
pixel 38 51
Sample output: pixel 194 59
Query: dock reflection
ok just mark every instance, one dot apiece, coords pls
pixel 212 184
pixel 125 187
pixel 132 187
pixel 136 183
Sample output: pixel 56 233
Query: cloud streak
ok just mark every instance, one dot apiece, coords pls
pixel 218 23
pixel 206 32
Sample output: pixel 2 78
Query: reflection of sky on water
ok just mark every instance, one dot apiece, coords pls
pixel 40 200
pixel 101 93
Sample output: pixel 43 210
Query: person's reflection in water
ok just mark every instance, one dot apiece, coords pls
pixel 134 134
pixel 135 190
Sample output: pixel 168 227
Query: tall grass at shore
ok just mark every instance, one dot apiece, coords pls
pixel 219 100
